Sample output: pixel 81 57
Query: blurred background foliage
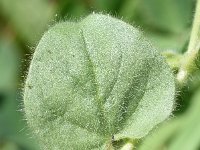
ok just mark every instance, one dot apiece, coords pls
pixel 167 23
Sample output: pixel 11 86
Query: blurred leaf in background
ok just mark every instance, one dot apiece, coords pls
pixel 167 22
pixel 181 133
pixel 9 63
pixel 28 18
pixel 11 120
pixel 9 71
pixel 68 9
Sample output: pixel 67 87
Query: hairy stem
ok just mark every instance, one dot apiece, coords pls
pixel 188 64
pixel 121 144
pixel 128 146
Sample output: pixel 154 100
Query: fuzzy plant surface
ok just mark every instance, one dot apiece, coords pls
pixel 95 82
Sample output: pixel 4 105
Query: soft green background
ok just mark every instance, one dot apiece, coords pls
pixel 167 23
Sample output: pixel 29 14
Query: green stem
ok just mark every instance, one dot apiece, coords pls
pixel 128 146
pixel 188 64
pixel 121 144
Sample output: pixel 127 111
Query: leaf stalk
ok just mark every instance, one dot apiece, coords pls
pixel 188 62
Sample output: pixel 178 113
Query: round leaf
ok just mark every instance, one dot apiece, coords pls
pixel 93 82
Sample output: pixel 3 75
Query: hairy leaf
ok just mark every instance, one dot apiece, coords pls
pixel 93 82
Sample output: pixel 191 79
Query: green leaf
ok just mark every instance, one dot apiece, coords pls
pixel 8 146
pixel 160 136
pixel 72 9
pixel 183 132
pixel 110 6
pixel 28 18
pixel 189 135
pixel 93 82
pixel 166 15
pixel 9 63
pixel 13 136
pixel 169 42
pixel 166 22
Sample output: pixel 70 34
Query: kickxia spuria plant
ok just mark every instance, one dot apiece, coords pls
pixel 96 82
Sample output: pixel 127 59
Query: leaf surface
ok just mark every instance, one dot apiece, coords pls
pixel 94 81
